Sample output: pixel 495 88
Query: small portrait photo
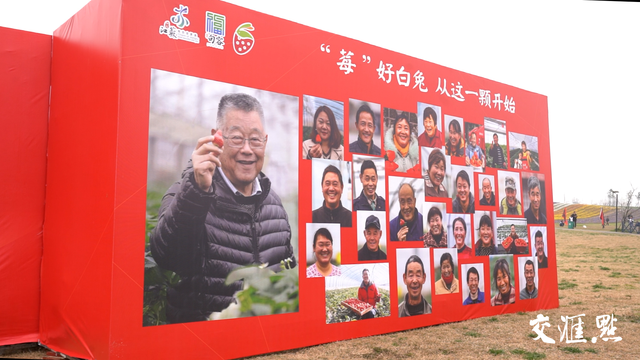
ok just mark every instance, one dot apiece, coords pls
pixel 503 291
pixel 413 269
pixel 369 185
pixel 459 230
pixel 372 239
pixel 474 152
pixel 523 151
pixel 406 200
pixel 538 236
pixel 486 190
pixel 512 236
pixel 534 198
pixel 322 128
pixel 430 126
pixel 473 283
pixel 495 143
pixel 446 271
pixel 462 185
pixel 331 191
pixel 509 193
pixel 401 141
pixel 435 234
pixel 455 144
pixel 436 170
pixel 365 128
pixel 360 292
pixel 528 278
pixel 323 250
pixel 484 223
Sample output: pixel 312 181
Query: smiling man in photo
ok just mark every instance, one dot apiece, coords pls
pixel 510 205
pixel 372 234
pixel 332 210
pixel 366 125
pixel 223 202
pixel 529 291
pixel 407 226
pixel 414 278
pixel 535 213
pixel 369 199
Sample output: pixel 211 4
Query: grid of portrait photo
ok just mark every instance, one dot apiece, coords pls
pixel 457 203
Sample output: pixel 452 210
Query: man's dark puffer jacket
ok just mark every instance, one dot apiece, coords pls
pixel 204 236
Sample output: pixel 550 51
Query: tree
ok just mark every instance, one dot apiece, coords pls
pixel 626 207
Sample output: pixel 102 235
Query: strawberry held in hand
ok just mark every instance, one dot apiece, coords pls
pixel 217 139
pixel 402 223
pixel 318 139
pixel 390 155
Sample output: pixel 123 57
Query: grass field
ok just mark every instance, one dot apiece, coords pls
pixel 598 273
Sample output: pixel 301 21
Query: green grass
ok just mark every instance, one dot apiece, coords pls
pixel 473 334
pixel 593 351
pixel 599 286
pixel 604 268
pixel 496 352
pixel 529 355
pixel 493 319
pixel 564 285
pixel 575 303
pixel 571 349
pixel 615 274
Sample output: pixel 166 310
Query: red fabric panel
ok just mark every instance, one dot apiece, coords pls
pixel 25 61
pixel 78 230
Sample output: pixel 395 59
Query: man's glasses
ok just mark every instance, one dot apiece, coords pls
pixel 238 141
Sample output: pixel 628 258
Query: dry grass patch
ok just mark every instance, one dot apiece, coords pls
pixel 598 274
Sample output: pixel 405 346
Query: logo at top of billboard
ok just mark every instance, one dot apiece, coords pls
pixel 215 31
pixel 177 32
pixel 243 41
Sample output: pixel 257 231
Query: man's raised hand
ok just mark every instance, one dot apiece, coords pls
pixel 205 159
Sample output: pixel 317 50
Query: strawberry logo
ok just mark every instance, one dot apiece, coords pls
pixel 242 39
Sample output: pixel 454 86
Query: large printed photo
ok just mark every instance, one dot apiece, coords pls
pixel 222 201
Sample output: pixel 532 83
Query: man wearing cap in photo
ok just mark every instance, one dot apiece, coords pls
pixel 372 234
pixel 510 205
pixel 369 199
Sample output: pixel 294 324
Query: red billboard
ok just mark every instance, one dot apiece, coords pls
pixel 235 173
